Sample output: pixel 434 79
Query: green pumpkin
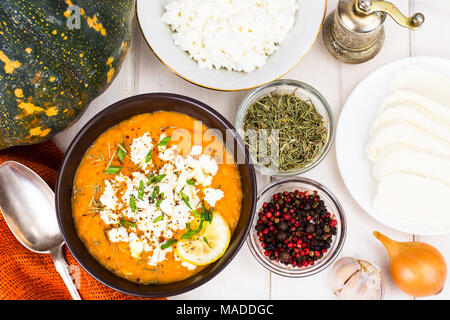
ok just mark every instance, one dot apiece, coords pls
pixel 50 70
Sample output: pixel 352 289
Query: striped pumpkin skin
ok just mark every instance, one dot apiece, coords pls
pixel 48 72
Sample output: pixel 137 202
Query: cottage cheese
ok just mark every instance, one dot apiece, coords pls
pixel 234 34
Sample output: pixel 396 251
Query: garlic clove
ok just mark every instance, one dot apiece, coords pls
pixel 343 270
pixel 356 279
pixel 369 290
pixel 352 286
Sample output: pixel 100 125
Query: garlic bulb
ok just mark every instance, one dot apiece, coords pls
pixel 354 279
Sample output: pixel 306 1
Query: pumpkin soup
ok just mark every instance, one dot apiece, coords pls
pixel 153 202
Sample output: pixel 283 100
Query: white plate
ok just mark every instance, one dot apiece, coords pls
pixel 352 137
pixel 158 35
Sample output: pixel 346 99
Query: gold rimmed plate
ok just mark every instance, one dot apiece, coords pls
pixel 292 49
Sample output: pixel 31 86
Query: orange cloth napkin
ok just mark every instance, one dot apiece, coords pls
pixel 25 275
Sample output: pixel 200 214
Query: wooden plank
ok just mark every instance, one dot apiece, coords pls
pixel 431 40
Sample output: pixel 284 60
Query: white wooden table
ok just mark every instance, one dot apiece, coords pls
pixel 244 278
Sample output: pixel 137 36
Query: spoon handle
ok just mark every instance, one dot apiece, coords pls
pixel 63 268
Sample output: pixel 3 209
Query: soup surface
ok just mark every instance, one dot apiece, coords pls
pixel 148 184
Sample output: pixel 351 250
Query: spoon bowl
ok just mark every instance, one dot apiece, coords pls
pixel 28 206
pixel 27 203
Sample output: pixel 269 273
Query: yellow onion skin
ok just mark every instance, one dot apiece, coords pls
pixel 417 268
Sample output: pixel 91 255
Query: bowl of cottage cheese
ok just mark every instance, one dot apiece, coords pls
pixel 230 45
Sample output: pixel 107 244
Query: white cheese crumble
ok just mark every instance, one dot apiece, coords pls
pixel 234 34
pixel 118 235
pixel 196 150
pixel 185 264
pixel 109 217
pixel 140 148
pixel 160 208
pixel 158 255
pixel 108 197
pixel 213 195
pixel 137 245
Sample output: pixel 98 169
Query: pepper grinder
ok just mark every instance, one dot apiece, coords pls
pixel 354 32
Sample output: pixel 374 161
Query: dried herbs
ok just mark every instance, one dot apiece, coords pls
pixel 285 132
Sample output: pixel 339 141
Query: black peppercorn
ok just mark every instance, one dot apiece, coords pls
pixel 283 226
pixel 285 257
pixel 310 228
pixel 259 227
pixel 281 236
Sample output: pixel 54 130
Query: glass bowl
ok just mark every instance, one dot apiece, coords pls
pixel 303 91
pixel 333 206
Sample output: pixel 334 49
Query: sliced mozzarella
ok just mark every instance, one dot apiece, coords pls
pixel 415 117
pixel 401 158
pixel 411 198
pixel 425 82
pixel 438 111
pixel 399 132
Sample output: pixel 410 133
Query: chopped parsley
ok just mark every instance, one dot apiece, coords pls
pixel 155 193
pixel 206 241
pixel 185 199
pixel 205 216
pixel 121 152
pixel 164 142
pixel 161 198
pixel 113 170
pixel 148 158
pixel 127 224
pixel 141 190
pixel 156 179
pixel 132 203
pixel 168 243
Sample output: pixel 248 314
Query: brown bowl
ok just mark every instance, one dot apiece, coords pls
pixel 111 116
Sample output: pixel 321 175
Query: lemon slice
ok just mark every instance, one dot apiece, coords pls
pixel 207 246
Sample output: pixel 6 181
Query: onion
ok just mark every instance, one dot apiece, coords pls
pixel 417 268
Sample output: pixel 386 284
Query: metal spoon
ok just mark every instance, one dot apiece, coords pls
pixel 28 205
